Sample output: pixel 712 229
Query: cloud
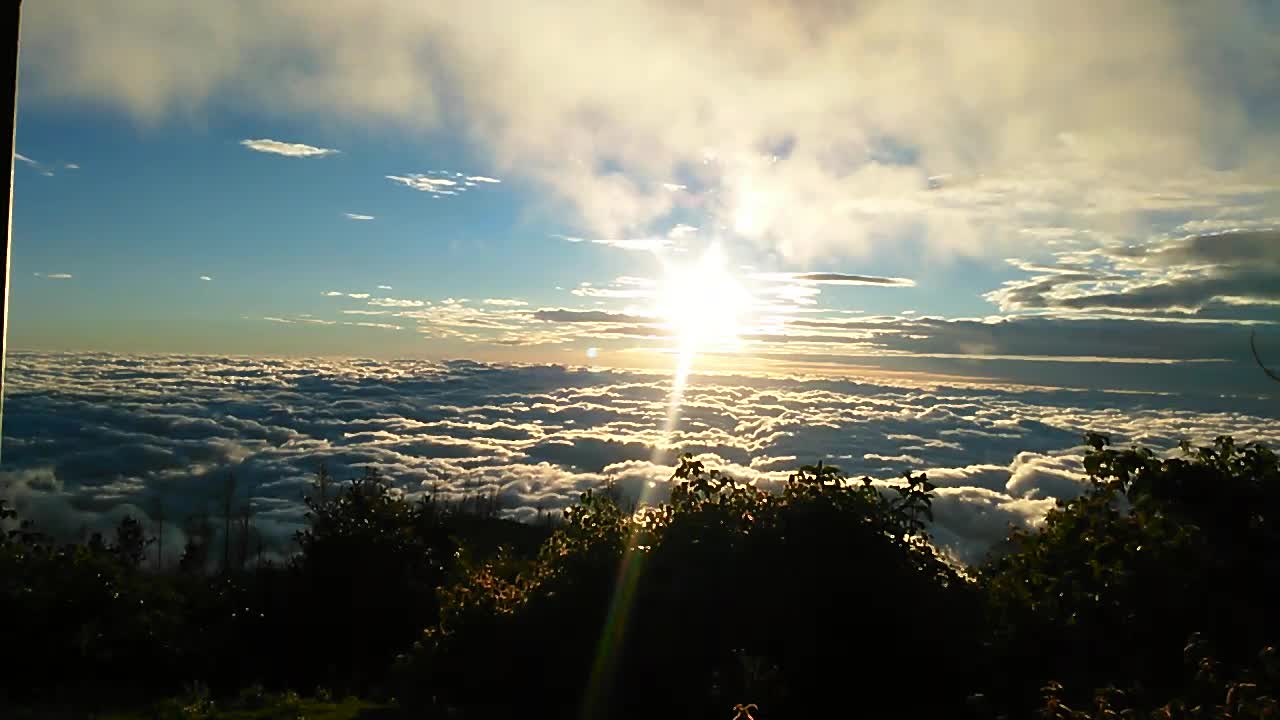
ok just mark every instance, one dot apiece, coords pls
pixel 206 278
pixel 564 315
pixel 504 302
pixel 1187 275
pixel 71 166
pixel 357 216
pixel 833 278
pixel 653 244
pixel 287 149
pixel 380 326
pixel 54 276
pixel 396 302
pixel 120 430
pixel 794 134
pixel 358 296
pixel 39 167
pixel 439 183
pixel 384 287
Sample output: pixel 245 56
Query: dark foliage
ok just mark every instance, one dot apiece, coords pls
pixel 87 620
pixel 1110 587
pixel 724 600
pixel 826 591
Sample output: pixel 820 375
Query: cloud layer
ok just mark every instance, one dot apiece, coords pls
pixel 92 436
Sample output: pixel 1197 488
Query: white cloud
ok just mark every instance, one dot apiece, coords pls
pixel 358 216
pixel 539 435
pixel 504 302
pixel 425 183
pixel 394 302
pixel 334 293
pixel 358 296
pixel 287 149
pixel 278 320
pixel 441 183
pixel 380 326
pixel 206 278
pixel 54 276
pixel 71 166
pixel 39 167
pixel 384 287
pixel 365 312
pixel 796 131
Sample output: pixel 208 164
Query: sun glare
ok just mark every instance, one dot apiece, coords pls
pixel 703 305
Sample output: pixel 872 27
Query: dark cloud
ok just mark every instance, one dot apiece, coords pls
pixel 90 437
pixel 1214 272
pixel 833 278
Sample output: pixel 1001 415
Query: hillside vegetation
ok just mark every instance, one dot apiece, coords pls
pixel 1149 596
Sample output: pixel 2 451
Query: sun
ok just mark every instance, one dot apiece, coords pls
pixel 702 305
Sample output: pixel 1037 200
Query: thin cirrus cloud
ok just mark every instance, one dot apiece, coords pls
pixel 36 165
pixel 358 216
pixel 206 278
pixel 441 183
pixel 54 276
pixel 287 149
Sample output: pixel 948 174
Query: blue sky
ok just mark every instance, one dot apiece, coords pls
pixel 876 200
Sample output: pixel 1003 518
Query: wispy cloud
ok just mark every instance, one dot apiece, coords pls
pixel 384 287
pixel 357 216
pixel 334 293
pixel 71 166
pixel 441 182
pixel 287 149
pixel 206 278
pixel 654 244
pixel 835 278
pixel 504 302
pixel 285 321
pixel 54 276
pixel 380 326
pixel 426 183
pixel 395 302
pixel 38 166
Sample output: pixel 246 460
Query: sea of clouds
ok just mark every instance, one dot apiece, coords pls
pixel 89 438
